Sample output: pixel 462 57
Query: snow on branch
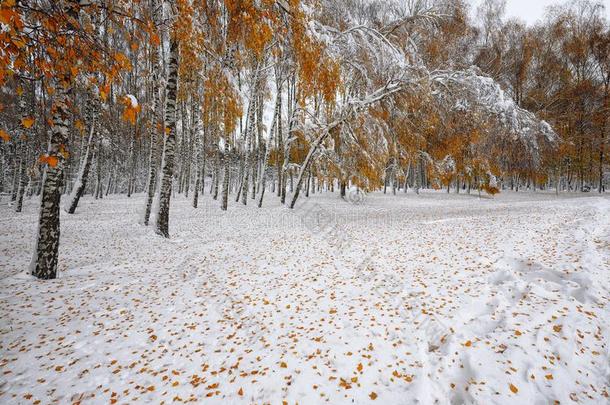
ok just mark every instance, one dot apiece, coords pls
pixel 470 90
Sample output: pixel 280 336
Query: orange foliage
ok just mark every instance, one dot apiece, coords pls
pixel 130 113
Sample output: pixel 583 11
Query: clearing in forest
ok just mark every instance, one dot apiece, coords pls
pixel 431 297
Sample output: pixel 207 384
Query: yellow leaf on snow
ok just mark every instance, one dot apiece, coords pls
pixel 27 122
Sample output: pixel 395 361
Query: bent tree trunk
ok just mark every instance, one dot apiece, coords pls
pixel 83 175
pixel 44 259
pixel 162 224
pixel 305 165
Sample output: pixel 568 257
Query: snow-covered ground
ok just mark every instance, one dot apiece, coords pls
pixel 393 300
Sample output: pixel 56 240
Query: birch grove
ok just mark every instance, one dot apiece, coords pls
pixel 250 102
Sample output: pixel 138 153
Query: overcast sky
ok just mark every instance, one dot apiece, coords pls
pixel 531 10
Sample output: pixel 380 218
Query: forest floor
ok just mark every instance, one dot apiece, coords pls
pixel 393 300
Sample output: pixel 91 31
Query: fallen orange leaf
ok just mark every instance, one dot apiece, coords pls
pixel 27 122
